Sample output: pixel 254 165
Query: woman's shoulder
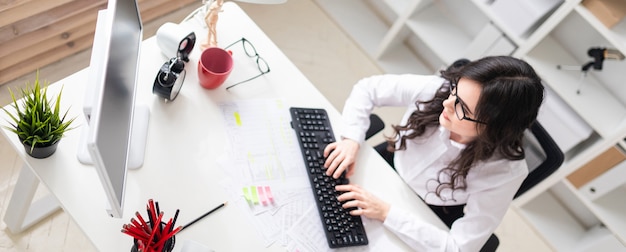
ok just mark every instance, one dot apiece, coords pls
pixel 500 170
pixel 403 78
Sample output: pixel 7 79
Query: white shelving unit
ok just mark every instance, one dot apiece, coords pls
pixel 423 36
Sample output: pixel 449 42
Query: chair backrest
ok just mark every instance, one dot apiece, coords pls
pixel 540 144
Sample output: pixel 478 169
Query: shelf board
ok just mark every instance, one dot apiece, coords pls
pixel 485 8
pixel 616 36
pixel 426 55
pixel 441 33
pixel 357 19
pixel 619 33
pixel 387 11
pixel 577 35
pixel 611 209
pixel 599 238
pixel 563 228
pixel 595 103
pixel 401 60
pixel 398 6
pixel 553 221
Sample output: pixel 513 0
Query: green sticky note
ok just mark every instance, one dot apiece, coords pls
pixel 246 194
pixel 255 196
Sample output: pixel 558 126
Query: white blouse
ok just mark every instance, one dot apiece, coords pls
pixel 491 185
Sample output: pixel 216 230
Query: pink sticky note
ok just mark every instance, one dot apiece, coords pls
pixel 269 195
pixel 262 196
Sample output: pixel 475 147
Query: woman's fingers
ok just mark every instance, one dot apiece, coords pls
pixel 340 157
pixel 365 203
pixel 350 204
pixel 331 158
pixel 351 192
pixel 334 160
pixel 330 153
pixel 329 148
pixel 348 187
pixel 338 165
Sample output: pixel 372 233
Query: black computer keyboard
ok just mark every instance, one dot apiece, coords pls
pixel 314 132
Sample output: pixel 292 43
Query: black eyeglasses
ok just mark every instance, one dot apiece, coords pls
pixel 459 105
pixel 251 52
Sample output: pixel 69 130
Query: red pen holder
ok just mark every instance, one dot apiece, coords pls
pixel 152 238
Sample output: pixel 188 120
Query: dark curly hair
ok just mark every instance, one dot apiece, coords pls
pixel 508 104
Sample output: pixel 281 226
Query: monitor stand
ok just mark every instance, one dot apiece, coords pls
pixel 138 138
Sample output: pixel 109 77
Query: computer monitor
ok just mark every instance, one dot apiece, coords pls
pixel 114 137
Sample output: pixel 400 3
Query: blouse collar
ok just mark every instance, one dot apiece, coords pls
pixel 444 135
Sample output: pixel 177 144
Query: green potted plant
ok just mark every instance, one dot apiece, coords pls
pixel 37 123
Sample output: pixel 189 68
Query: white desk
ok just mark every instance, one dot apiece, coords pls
pixel 185 138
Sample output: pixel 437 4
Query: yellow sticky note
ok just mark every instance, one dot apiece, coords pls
pixel 237 118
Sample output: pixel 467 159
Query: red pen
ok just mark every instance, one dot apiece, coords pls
pixel 154 231
pixel 135 234
pixel 152 211
pixel 140 218
pixel 136 224
pixel 167 228
pixel 143 222
pixel 150 217
pixel 168 236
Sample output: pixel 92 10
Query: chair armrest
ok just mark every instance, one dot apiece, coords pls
pixel 376 125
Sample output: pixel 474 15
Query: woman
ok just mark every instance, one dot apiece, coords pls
pixel 458 146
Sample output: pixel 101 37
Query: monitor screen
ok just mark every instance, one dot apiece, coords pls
pixel 110 99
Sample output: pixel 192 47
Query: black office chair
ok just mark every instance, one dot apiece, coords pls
pixel 551 157
pixel 543 157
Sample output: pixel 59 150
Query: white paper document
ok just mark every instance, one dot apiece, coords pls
pixel 266 174
pixel 263 154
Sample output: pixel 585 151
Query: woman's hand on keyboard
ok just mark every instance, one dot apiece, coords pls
pixel 340 156
pixel 365 203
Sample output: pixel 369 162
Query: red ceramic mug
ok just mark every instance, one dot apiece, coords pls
pixel 214 66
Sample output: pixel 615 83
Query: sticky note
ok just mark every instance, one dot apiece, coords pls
pixel 246 194
pixel 262 195
pixel 237 118
pixel 255 196
pixel 268 194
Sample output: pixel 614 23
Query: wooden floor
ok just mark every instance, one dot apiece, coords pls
pixel 316 46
